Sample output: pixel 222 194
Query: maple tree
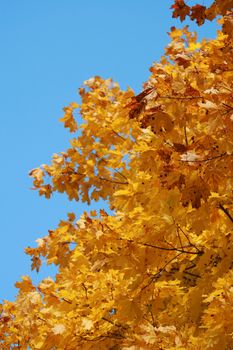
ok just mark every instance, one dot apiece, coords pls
pixel 157 272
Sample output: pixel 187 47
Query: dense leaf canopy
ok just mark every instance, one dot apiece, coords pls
pixel 157 272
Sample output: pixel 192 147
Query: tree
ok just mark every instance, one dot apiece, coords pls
pixel 157 272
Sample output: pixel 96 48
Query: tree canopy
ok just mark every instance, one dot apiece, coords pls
pixel 156 272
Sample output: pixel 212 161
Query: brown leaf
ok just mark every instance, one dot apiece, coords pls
pixel 198 14
pixel 180 9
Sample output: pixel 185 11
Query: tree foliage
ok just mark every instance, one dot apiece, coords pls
pixel 157 272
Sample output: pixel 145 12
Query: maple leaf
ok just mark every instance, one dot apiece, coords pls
pixel 180 9
pixel 25 285
pixel 198 13
pixel 68 118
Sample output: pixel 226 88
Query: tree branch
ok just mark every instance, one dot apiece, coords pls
pixel 178 249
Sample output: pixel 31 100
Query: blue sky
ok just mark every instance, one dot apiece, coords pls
pixel 48 48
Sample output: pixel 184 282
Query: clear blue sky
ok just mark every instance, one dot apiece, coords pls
pixel 48 48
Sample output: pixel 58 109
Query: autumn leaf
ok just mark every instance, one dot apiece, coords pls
pixel 198 13
pixel 180 9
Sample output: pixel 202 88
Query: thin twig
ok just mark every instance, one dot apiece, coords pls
pixel 207 159
pixel 185 135
pixel 187 237
pixel 169 243
pixel 178 249
pixel 85 288
pixel 226 212
pixel 179 238
pixel 181 97
pixel 153 319
pixel 191 244
pixel 118 172
pixel 67 301
pixel 114 324
pixel 68 242
pixel 226 87
pixel 192 274
pixel 115 182
pixel 190 267
pixel 153 278
pixel 116 133
pixel 101 337
pixel 228 106
pixel 109 321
